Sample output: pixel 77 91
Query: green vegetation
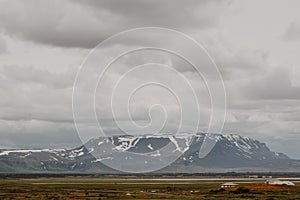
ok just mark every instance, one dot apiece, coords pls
pixel 94 188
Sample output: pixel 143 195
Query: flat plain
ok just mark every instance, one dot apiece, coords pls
pixel 142 188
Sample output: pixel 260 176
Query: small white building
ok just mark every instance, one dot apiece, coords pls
pixel 229 185
pixel 279 182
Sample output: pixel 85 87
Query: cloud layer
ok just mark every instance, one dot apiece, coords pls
pixel 86 23
pixel 43 43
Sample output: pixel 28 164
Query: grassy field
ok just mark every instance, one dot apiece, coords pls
pixel 104 188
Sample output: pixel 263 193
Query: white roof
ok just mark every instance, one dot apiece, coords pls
pixel 279 182
pixel 229 183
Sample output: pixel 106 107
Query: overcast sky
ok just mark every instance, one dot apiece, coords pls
pixel 254 43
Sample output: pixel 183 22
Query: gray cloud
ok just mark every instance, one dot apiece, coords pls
pixel 39 59
pixel 29 93
pixel 292 33
pixel 38 76
pixel 3 46
pixel 276 85
pixel 37 134
pixel 34 76
pixel 86 23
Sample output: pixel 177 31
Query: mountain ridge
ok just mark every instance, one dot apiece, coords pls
pixel 231 152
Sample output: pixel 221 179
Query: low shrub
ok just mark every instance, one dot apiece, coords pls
pixel 241 190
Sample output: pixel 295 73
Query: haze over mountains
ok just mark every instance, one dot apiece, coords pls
pixel 230 153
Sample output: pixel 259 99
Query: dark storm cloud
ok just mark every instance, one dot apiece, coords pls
pixel 86 23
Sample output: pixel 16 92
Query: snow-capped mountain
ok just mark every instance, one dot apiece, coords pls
pixel 229 153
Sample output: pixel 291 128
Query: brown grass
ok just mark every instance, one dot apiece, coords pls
pixel 119 189
pixel 268 187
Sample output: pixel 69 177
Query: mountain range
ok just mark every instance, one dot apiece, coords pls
pixel 229 153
